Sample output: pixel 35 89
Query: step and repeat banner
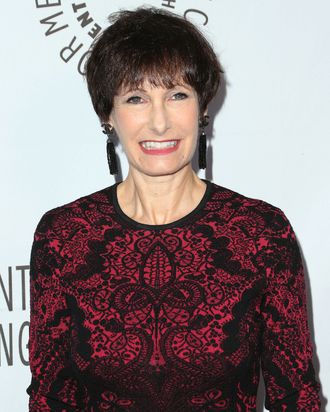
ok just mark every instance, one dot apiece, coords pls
pixel 268 138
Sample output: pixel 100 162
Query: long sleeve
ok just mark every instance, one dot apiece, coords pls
pixel 53 386
pixel 176 318
pixel 286 359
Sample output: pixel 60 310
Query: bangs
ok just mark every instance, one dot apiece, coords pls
pixel 156 76
pixel 160 67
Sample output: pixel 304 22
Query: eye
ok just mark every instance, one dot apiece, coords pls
pixel 180 96
pixel 134 99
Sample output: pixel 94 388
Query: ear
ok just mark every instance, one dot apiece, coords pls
pixel 202 114
pixel 205 112
pixel 110 120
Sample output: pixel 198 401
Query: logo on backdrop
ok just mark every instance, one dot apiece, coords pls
pixel 14 335
pixel 77 20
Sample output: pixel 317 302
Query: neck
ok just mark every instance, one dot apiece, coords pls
pixel 158 200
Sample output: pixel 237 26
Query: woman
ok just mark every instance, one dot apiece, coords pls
pixel 164 292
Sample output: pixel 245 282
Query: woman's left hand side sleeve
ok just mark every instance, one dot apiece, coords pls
pixel 286 358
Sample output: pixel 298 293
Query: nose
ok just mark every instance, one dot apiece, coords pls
pixel 159 118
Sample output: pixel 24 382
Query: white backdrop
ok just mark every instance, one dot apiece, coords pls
pixel 270 139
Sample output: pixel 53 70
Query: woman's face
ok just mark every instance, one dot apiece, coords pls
pixel 157 127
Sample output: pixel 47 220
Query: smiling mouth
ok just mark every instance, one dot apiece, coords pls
pixel 154 145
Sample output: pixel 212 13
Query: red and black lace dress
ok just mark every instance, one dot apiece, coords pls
pixel 177 317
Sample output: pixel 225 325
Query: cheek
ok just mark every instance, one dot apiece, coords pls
pixel 127 126
pixel 189 125
pixel 189 118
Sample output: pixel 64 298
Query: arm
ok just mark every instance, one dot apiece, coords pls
pixel 53 386
pixel 286 359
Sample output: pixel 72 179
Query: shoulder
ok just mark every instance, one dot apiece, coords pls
pixel 65 219
pixel 256 213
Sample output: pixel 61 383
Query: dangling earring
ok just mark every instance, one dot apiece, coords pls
pixel 111 153
pixel 202 143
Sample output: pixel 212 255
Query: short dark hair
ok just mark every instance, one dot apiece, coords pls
pixel 150 44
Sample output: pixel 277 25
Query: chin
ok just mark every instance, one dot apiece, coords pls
pixel 162 171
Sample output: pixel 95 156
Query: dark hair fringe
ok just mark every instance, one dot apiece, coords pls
pixel 154 45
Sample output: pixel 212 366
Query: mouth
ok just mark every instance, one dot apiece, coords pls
pixel 153 147
pixel 157 145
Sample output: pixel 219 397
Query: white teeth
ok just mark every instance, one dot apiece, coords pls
pixel 159 145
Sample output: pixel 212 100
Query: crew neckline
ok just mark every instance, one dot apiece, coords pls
pixel 176 223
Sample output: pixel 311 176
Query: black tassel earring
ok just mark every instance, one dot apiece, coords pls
pixel 111 153
pixel 202 143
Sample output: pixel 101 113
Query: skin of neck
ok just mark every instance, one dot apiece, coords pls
pixel 158 200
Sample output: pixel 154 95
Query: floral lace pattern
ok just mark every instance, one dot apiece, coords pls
pixel 177 317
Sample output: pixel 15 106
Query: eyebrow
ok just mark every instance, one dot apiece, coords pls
pixel 124 92
pixel 141 89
